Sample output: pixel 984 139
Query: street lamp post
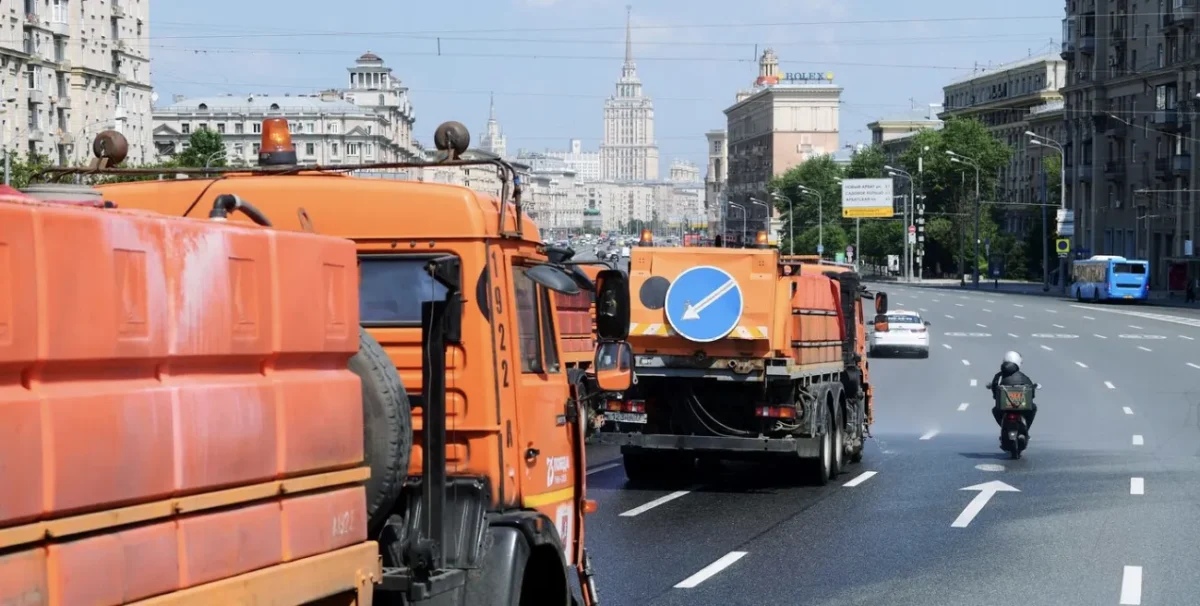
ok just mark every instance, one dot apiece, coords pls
pixel 1036 139
pixel 903 174
pixel 743 208
pixel 791 221
pixel 766 207
pixel 961 159
pixel 820 217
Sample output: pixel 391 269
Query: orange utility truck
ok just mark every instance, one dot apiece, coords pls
pixel 472 436
pixel 740 353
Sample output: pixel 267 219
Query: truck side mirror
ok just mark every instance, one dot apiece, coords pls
pixel 881 303
pixel 614 365
pixel 612 305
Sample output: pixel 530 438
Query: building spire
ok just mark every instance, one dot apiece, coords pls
pixel 491 107
pixel 628 35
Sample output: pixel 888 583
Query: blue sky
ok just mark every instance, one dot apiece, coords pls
pixel 551 63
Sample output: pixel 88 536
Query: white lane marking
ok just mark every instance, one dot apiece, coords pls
pixel 1059 326
pixel 981 325
pixel 1131 586
pixel 958 304
pixel 1127 410
pixel 1192 365
pixel 946 345
pixel 1047 348
pixel 990 301
pixel 1017 305
pixel 1109 385
pixel 1144 348
pixel 652 504
pixel 929 434
pixel 963 406
pixel 1137 485
pixel 1013 336
pixel 1138 440
pixel 1193 322
pixel 1136 326
pixel 1088 318
pixel 707 572
pixel 986 492
pixel 922 309
pixel 937 300
pixel 1052 311
pixel 989 467
pixel 950 316
pixel 1099 336
pixel 1019 317
pixel 1080 364
pixel 966 362
pixel 974 383
pixel 987 310
pixel 1186 337
pixel 604 467
pixel 860 478
pixel 962 296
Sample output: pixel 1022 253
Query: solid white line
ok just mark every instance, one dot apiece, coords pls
pixel 929 435
pixel 652 504
pixel 950 316
pixel 974 383
pixel 604 467
pixel 1013 336
pixel 1088 318
pixel 1099 336
pixel 1059 326
pixel 862 477
pixel 963 406
pixel 1186 337
pixel 708 571
pixel 1131 586
pixel 1137 485
pixel 1127 410
pixel 1109 385
pixel 1138 440
pixel 966 362
pixel 1047 348
pixel 1144 348
pixel 981 325
pixel 1192 365
pixel 1135 326
pixel 1019 317
pixel 1081 364
pixel 946 345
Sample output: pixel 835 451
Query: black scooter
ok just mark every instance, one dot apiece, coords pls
pixel 1014 431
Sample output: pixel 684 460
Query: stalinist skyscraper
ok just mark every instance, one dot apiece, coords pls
pixel 629 152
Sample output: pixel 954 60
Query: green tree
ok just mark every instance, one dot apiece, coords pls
pixel 820 174
pixel 1052 167
pixel 23 169
pixel 205 149
pixel 880 238
pixel 834 236
pixel 866 163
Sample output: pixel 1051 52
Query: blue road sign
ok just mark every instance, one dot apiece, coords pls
pixel 820 249
pixel 704 304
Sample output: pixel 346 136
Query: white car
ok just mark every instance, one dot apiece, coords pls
pixel 906 332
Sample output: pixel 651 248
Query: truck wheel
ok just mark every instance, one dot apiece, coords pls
pixel 838 462
pixel 387 428
pixel 658 469
pixel 821 468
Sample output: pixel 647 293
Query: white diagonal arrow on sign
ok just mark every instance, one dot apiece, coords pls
pixel 986 490
pixel 693 311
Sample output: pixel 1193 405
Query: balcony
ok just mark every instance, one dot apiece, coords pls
pixel 1114 170
pixel 60 28
pixel 36 134
pixel 1068 49
pixel 1087 43
pixel 65 138
pixel 36 96
pixel 1181 164
pixel 118 11
pixel 1166 119
pixel 63 102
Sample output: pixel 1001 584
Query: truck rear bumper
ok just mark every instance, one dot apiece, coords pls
pixel 803 447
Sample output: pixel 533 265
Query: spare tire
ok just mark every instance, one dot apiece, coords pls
pixel 387 428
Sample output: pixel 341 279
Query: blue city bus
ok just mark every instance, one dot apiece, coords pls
pixel 1105 278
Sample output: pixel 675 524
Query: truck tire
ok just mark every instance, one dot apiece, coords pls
pixel 580 391
pixel 838 460
pixel 387 428
pixel 860 431
pixel 821 468
pixel 650 469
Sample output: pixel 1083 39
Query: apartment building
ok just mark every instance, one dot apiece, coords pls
pixel 71 69
pixel 714 179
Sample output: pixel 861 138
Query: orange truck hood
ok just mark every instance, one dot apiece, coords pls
pixel 653 270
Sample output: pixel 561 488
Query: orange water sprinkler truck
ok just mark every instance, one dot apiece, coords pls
pixel 743 353
pixel 470 430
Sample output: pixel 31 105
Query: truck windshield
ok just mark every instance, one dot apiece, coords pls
pixel 391 289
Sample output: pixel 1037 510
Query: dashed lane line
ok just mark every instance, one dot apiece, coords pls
pixel 1186 337
pixel 709 571
pixel 1047 348
pixel 1019 317
pixel 990 301
pixel 1136 326
pixel 1138 440
pixel 929 434
pixel 1059 326
pixel 1013 335
pixel 974 383
pixel 1137 486
pixel 966 362
pixel 946 345
pixel 860 478
pixel 1131 586
pixel 655 503
pixel 1088 318
pixel 1127 410
pixel 1099 336
pixel 922 309
pixel 1192 365
pixel 1109 385
pixel 981 325
pixel 958 304
pixel 1080 364
pixel 1144 348
pixel 986 310
pixel 1017 305
pixel 604 467
pixel 950 316
pixel 1052 311
pixel 963 406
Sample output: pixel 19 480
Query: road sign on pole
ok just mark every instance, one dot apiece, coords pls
pixel 704 304
pixel 820 249
pixel 1063 247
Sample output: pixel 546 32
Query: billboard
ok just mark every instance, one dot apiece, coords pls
pixel 867 198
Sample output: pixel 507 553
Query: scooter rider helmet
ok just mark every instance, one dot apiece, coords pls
pixel 1013 358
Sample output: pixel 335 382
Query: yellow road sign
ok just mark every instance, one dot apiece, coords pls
pixel 1062 246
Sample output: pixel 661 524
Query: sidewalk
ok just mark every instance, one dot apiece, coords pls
pixel 1157 299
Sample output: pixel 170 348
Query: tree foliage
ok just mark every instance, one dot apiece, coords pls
pixel 23 169
pixel 205 149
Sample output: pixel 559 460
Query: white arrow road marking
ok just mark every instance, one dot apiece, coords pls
pixel 652 504
pixel 693 311
pixel 929 435
pixel 1131 586
pixel 987 490
pixel 707 572
pixel 862 477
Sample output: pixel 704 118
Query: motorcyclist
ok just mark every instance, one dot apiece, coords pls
pixel 1010 375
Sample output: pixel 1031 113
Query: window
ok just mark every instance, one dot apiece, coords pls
pixel 239 151
pixel 255 149
pixel 1129 268
pixel 239 128
pixel 334 128
pixel 257 128
pixel 333 149
pixel 310 128
pixel 185 128
pixel 351 149
pixel 369 150
pixel 310 149
pixel 552 365
pixel 391 289
pixel 525 293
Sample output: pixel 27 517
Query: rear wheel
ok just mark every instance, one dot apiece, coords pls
pixel 821 468
pixel 838 462
pixel 387 428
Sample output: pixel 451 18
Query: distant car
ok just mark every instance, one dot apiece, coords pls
pixel 906 332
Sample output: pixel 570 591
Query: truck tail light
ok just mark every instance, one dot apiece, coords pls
pixel 775 412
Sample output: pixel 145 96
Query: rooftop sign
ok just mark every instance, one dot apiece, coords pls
pixel 807 77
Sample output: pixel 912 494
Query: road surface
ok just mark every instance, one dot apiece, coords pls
pixel 1105 503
